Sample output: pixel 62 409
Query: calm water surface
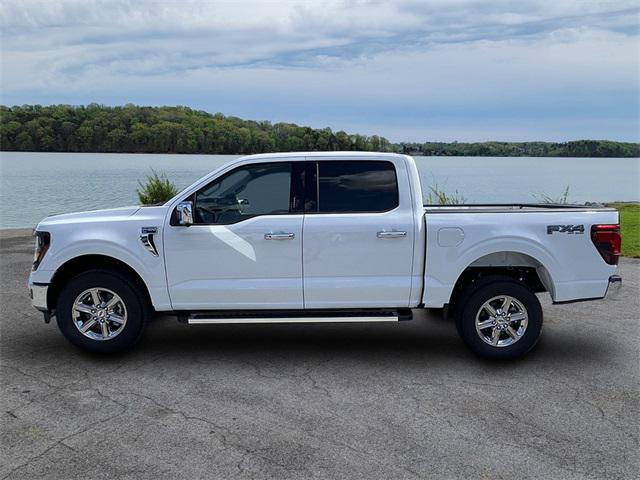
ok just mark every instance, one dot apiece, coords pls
pixel 34 185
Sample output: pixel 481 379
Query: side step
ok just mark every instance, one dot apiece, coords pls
pixel 283 316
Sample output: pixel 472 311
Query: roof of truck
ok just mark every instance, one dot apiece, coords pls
pixel 326 154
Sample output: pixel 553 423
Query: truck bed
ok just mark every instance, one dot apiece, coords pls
pixel 554 239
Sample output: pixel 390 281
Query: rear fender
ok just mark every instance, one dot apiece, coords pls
pixel 503 252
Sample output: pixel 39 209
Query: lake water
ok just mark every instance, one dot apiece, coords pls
pixel 34 185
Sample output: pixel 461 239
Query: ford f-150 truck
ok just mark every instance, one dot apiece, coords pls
pixel 320 237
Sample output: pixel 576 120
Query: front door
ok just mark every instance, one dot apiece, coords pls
pixel 244 249
pixel 358 239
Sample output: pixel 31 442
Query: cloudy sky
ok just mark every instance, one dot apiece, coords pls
pixel 406 69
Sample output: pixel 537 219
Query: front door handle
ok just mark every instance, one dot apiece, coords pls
pixel 392 234
pixel 279 236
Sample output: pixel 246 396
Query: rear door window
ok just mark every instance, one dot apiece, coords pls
pixel 357 187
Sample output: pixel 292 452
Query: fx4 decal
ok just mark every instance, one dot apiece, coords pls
pixel 570 229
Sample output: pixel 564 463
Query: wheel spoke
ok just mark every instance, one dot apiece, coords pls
pixel 512 333
pixel 113 302
pixel 95 297
pixel 506 305
pixel 81 307
pixel 485 324
pixel 87 325
pixel 114 317
pixel 490 310
pixel 495 336
pixel 105 329
pixel 516 317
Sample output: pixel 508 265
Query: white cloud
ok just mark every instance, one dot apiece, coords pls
pixel 331 62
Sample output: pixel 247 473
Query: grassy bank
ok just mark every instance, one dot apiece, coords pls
pixel 630 227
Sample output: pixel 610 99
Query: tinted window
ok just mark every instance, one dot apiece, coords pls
pixel 345 186
pixel 245 192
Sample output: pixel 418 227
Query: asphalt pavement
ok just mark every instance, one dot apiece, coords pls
pixel 388 401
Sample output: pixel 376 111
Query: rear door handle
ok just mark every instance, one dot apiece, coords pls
pixel 392 234
pixel 279 236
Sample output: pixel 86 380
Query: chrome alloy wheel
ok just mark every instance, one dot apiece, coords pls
pixel 501 321
pixel 99 314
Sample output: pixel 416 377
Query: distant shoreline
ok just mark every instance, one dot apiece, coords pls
pixel 130 129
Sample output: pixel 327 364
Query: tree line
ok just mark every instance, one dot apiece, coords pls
pixel 137 129
pixel 577 148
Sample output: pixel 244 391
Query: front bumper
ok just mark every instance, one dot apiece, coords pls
pixel 38 294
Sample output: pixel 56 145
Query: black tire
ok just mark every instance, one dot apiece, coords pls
pixel 137 310
pixel 472 301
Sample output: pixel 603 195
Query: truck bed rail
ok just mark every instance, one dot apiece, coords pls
pixel 512 207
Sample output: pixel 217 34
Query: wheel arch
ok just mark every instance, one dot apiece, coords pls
pixel 518 266
pixel 84 263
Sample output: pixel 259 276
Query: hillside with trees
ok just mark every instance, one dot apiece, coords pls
pixel 578 148
pixel 136 129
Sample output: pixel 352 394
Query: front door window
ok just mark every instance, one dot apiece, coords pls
pixel 245 192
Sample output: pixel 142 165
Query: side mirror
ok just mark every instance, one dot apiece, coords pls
pixel 184 212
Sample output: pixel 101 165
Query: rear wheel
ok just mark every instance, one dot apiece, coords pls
pixel 500 319
pixel 102 311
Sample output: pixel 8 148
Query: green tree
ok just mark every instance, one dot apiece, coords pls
pixel 132 128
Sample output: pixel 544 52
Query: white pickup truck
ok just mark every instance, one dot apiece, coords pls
pixel 319 237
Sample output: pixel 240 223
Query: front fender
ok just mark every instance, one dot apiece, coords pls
pixel 122 244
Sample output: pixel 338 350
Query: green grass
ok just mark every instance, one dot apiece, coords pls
pixel 630 227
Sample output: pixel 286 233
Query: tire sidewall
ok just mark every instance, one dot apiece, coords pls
pixel 474 302
pixel 136 314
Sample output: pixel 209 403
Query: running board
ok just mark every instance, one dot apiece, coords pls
pixel 219 318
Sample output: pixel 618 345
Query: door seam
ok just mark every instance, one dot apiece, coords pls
pixel 304 217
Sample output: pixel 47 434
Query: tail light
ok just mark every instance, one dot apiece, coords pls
pixel 43 239
pixel 608 241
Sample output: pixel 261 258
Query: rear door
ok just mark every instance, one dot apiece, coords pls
pixel 357 234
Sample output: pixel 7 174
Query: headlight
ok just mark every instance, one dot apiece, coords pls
pixel 43 239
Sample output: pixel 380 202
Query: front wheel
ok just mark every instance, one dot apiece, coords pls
pixel 501 319
pixel 101 311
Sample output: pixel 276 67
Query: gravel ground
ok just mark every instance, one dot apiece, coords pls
pixel 373 401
